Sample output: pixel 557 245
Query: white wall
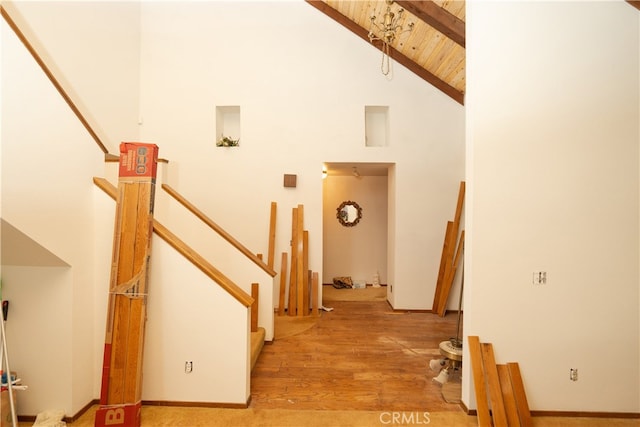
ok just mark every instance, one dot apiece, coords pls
pixel 302 103
pixel 93 49
pixel 192 319
pixel 552 156
pixel 302 86
pixel 201 238
pixel 189 318
pixel 48 160
pixel 39 328
pixel 44 195
pixel 359 251
pixel 552 133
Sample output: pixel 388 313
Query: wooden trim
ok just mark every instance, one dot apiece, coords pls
pixel 409 310
pixel 448 283
pixel 186 251
pixel 438 17
pixel 197 404
pixel 306 277
pixel 113 158
pixel 291 307
pixel 581 414
pixel 450 263
pixel 634 3
pixel 255 293
pixel 208 269
pixel 430 78
pixel 272 235
pixel 493 384
pixel 443 266
pixel 524 414
pixel 47 71
pixel 300 271
pixel 314 294
pixel 228 237
pixel 466 410
pixel 463 406
pixel 566 414
pixel 508 396
pixel 68 420
pixel 283 284
pixel 479 381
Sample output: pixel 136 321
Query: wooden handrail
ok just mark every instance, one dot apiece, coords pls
pixel 52 78
pixel 229 238
pixel 112 158
pixel 194 257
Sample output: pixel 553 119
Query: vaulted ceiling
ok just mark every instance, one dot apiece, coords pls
pixel 434 49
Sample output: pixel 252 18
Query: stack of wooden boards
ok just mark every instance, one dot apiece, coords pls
pixel 451 256
pixel 302 298
pixel 121 391
pixel 498 387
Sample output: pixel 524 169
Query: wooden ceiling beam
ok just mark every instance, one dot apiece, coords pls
pixel 634 3
pixel 395 55
pixel 438 17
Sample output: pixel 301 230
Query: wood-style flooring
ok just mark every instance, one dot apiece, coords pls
pixel 360 356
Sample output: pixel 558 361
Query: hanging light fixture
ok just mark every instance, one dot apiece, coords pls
pixel 386 31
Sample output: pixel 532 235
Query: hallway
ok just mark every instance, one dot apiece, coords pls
pixel 360 356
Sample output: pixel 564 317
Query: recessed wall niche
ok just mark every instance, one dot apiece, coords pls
pixel 227 123
pixel 376 126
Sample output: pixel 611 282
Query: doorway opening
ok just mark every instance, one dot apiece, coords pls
pixel 357 251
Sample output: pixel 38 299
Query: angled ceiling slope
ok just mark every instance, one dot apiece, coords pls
pixel 434 49
pixel 18 249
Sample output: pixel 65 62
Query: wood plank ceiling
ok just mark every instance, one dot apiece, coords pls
pixel 434 49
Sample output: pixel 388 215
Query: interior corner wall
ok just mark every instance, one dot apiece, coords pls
pixel 39 326
pixel 553 167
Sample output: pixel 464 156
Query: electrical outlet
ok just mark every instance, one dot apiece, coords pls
pixel 573 374
pixel 539 277
pixel 188 367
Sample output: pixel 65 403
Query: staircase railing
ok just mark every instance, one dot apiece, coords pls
pixel 9 20
pixel 228 237
pixel 184 249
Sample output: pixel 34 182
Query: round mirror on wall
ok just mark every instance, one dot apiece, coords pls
pixel 349 213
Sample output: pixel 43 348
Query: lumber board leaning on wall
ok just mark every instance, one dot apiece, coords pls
pixel 121 391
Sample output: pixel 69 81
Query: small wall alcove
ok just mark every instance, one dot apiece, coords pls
pixel 376 126
pixel 227 124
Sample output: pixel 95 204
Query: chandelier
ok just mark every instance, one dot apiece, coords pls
pixel 386 31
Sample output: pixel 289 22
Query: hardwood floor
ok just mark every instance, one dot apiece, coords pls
pixel 360 356
pixel 356 366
